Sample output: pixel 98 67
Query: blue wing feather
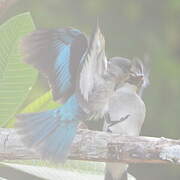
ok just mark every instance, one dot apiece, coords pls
pixel 57 54
pixel 51 132
pixel 62 69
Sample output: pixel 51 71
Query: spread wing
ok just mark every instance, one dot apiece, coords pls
pixel 94 64
pixel 57 54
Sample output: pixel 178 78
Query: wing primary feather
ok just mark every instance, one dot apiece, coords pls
pixel 95 64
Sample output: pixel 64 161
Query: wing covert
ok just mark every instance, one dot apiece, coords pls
pixel 57 54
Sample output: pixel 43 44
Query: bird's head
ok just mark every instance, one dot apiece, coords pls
pixel 136 76
pixel 127 71
pixel 139 74
pixel 119 69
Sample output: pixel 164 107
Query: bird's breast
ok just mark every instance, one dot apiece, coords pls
pixel 130 107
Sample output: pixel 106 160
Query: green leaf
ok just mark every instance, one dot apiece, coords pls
pixel 54 173
pixel 44 102
pixel 63 173
pixel 16 78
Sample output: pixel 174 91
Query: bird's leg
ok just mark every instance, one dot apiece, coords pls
pixel 112 123
pixel 124 118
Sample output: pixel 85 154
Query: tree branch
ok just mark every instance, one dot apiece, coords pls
pixel 100 146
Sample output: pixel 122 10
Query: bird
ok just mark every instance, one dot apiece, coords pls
pixel 80 78
pixel 56 54
pixel 126 113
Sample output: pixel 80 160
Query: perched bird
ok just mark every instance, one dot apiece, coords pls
pixel 126 113
pixel 79 76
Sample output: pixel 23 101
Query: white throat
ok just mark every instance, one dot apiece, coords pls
pixel 128 88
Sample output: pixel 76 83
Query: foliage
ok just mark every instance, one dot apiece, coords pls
pixel 16 78
pixel 59 173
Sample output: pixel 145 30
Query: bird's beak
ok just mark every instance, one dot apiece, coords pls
pixel 136 79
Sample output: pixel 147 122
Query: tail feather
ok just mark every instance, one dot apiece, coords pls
pixel 35 127
pixel 116 172
pixel 108 176
pixel 50 133
pixel 35 118
pixel 58 142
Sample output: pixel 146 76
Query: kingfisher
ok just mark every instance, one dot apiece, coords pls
pixel 126 113
pixel 80 78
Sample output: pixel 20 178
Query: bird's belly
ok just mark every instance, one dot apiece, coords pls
pixel 130 127
pixel 130 106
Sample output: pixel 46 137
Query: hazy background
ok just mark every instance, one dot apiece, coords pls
pixel 132 28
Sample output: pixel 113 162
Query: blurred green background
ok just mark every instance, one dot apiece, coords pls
pixel 132 28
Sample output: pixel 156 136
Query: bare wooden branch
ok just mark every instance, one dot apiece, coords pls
pixel 100 146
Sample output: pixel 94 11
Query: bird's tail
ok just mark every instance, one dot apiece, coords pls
pixel 125 176
pixel 50 133
pixel 116 171
pixel 108 176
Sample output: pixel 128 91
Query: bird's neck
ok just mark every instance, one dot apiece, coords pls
pixel 128 88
